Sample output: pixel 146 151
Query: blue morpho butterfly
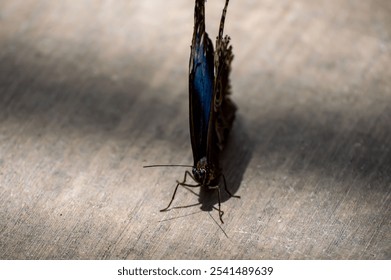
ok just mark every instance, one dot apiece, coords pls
pixel 211 110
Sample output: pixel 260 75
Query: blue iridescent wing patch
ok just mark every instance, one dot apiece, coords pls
pixel 201 84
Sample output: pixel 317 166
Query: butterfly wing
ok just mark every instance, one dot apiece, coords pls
pixel 224 107
pixel 201 84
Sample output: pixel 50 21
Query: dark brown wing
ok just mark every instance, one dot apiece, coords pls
pixel 224 107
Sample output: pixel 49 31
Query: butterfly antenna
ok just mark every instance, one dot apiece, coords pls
pixel 167 165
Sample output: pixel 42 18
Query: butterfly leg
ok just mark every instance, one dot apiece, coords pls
pixel 183 183
pixel 221 212
pixel 226 189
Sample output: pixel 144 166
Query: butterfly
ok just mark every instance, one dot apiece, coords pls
pixel 212 112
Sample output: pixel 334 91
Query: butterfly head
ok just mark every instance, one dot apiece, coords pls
pixel 201 171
